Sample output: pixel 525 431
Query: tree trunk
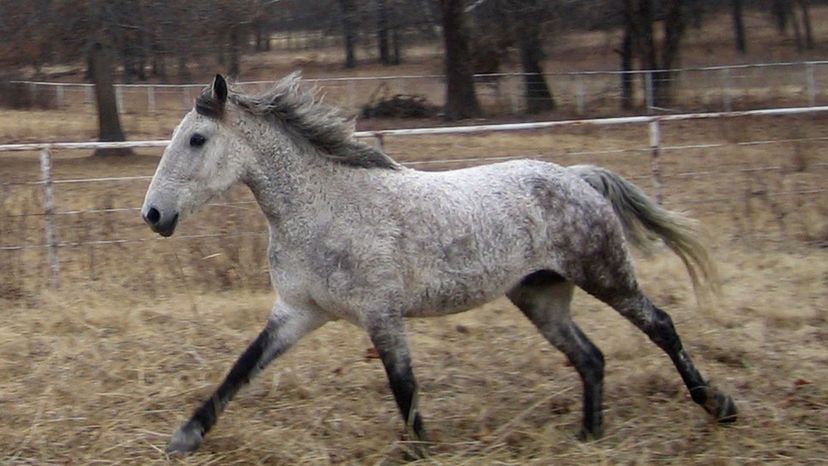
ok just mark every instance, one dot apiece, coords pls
pixel 696 11
pixel 780 10
pixel 806 21
pixel 738 26
pixel 382 32
pixel 538 96
pixel 797 31
pixel 627 56
pixel 348 32
pixel 674 26
pixel 233 67
pixel 396 54
pixel 461 100
pixel 109 123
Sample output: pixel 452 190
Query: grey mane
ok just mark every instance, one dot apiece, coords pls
pixel 302 112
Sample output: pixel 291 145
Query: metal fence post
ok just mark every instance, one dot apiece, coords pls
pixel 727 99
pixel 810 83
pixel 151 99
pixel 49 211
pixel 655 163
pixel 649 97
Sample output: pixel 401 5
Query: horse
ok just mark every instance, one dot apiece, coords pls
pixel 354 235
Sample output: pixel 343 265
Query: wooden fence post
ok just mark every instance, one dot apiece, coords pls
pixel 151 99
pixel 810 81
pixel 49 212
pixel 655 162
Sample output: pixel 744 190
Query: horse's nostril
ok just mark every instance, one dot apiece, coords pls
pixel 153 216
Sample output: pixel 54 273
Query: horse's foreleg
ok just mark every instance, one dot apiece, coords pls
pixel 658 325
pixel 284 327
pixel 388 337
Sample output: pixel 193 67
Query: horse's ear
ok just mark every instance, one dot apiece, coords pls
pixel 219 89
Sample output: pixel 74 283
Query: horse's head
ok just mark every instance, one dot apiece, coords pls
pixel 204 158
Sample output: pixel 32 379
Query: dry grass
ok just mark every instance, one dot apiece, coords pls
pixel 102 370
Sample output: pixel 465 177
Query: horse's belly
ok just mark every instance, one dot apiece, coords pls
pixel 450 296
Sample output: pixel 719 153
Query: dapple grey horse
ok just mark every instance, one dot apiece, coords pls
pixel 356 236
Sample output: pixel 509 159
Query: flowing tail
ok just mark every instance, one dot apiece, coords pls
pixel 644 222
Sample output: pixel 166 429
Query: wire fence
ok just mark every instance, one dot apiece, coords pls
pixel 583 93
pixel 48 217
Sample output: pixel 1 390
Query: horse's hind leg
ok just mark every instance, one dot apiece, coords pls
pixel 658 325
pixel 284 327
pixel 544 298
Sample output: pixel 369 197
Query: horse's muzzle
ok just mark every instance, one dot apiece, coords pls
pixel 164 225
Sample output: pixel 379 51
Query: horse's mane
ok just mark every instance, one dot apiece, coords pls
pixel 302 111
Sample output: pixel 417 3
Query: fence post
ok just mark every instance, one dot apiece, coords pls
pixel 87 94
pixel 351 91
pixel 727 99
pixel 514 95
pixel 810 81
pixel 580 95
pixel 119 98
pixel 151 99
pixel 49 211
pixel 649 98
pixel 59 96
pixel 655 163
pixel 185 94
pixel 379 143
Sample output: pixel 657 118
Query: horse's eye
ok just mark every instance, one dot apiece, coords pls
pixel 197 140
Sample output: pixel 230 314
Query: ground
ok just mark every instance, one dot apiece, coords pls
pixel 104 368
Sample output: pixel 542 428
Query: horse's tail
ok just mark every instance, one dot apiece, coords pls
pixel 644 221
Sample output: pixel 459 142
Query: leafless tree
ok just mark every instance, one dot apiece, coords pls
pixel 738 25
pixel 461 100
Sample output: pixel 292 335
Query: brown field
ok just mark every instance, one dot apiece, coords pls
pixel 103 369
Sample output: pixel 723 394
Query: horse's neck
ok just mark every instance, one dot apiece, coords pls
pixel 291 185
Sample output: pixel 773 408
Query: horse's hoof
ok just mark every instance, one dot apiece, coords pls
pixel 719 405
pixel 726 412
pixel 589 435
pixel 185 440
pixel 416 451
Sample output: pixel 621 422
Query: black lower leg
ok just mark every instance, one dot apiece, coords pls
pixel 590 366
pixel 245 367
pixel 589 362
pixel 393 351
pixel 661 331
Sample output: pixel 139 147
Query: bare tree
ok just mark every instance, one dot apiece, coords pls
pixel 382 32
pixel 652 55
pixel 627 53
pixel 349 31
pixel 738 25
pixel 109 123
pixel 527 26
pixel 461 100
pixel 804 6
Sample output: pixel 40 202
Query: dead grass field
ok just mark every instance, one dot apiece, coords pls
pixel 103 369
